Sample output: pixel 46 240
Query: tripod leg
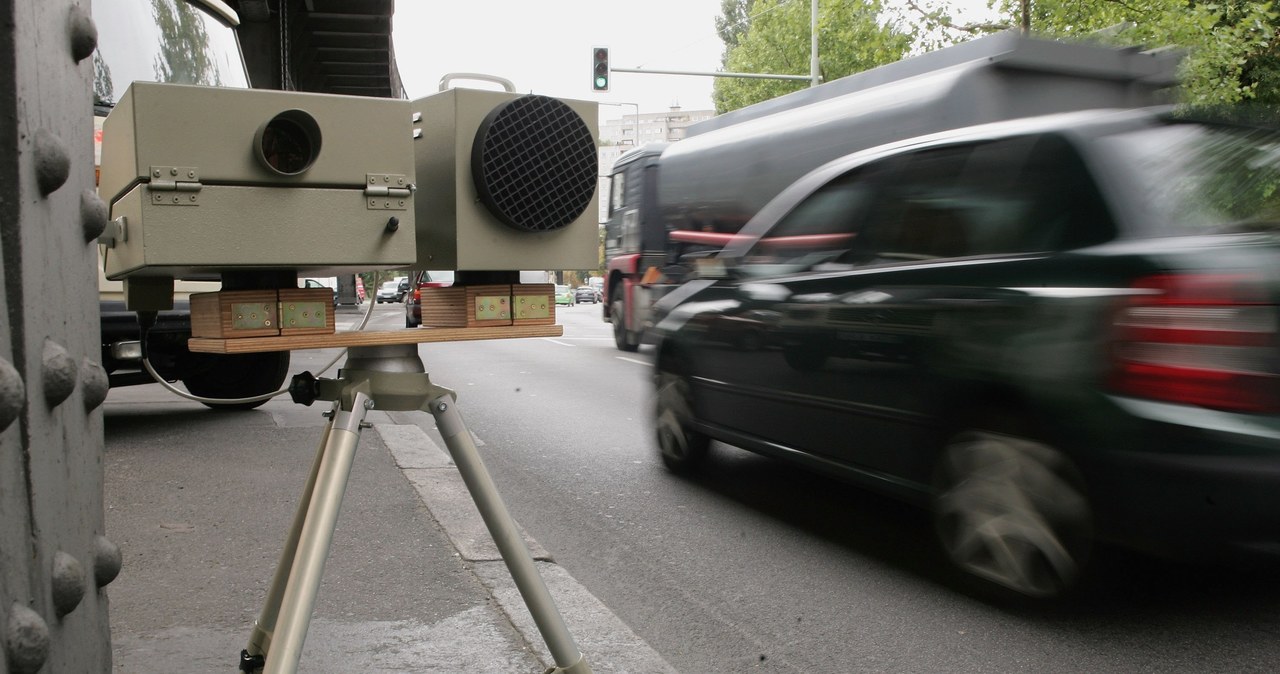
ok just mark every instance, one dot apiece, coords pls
pixel 502 527
pixel 265 626
pixel 312 549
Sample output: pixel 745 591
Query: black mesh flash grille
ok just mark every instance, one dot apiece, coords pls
pixel 534 164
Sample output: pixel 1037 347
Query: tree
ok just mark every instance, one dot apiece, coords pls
pixel 732 24
pixel 1229 44
pixel 852 36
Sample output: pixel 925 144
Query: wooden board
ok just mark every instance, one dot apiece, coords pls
pixel 306 311
pixel 533 304
pixel 234 313
pixel 466 306
pixel 385 338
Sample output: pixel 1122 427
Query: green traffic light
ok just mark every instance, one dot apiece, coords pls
pixel 602 82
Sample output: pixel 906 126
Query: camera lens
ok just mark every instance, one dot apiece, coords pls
pixel 289 143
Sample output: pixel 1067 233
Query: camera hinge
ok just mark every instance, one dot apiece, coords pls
pixel 387 191
pixel 174 185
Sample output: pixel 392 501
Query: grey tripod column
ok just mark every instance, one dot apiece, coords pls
pixel 391 378
pixel 564 650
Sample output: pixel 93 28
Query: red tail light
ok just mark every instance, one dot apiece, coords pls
pixel 417 295
pixel 1199 339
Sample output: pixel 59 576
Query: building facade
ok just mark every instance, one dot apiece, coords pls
pixel 618 136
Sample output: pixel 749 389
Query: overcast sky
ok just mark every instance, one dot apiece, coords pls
pixel 544 47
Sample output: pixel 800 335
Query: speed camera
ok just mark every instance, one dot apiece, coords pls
pixel 207 179
pixel 506 181
pixel 204 180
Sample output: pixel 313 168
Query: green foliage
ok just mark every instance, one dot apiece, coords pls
pixel 853 36
pixel 1229 45
pixel 733 22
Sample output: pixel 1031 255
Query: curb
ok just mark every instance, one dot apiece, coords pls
pixel 605 641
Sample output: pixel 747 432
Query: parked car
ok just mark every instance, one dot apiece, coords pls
pixel 1051 332
pixel 393 290
pixel 565 296
pixel 413 298
pixel 585 294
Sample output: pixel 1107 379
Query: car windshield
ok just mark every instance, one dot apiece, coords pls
pixel 1202 179
pixel 161 41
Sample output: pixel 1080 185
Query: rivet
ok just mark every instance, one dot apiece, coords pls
pixel 68 583
pixel 93 215
pixel 175 200
pixel 53 165
pixel 193 198
pixel 83 32
pixel 26 640
pixel 106 561
pixel 173 171
pixel 191 175
pixel 155 173
pixel 12 394
pixel 58 372
pixel 96 384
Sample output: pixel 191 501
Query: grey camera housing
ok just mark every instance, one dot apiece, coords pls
pixel 203 181
pixel 192 192
pixel 541 153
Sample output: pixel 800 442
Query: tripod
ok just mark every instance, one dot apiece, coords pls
pixel 390 378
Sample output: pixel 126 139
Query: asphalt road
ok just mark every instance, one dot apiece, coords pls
pixel 759 566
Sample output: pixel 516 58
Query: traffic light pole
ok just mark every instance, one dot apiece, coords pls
pixel 753 76
pixel 602 68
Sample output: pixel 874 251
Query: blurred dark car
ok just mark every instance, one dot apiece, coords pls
pixel 585 294
pixel 1053 333
pixel 413 296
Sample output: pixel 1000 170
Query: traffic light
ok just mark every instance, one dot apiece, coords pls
pixel 600 71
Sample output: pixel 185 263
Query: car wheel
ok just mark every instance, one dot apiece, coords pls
pixel 621 336
pixel 682 448
pixel 243 375
pixel 1012 511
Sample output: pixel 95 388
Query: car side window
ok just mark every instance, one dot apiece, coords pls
pixel 917 216
pixel 1032 194
pixel 823 226
pixel 1014 195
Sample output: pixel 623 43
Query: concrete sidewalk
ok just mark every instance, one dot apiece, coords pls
pixel 200 501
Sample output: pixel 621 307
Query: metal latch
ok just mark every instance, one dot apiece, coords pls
pixel 174 185
pixel 387 191
pixel 116 231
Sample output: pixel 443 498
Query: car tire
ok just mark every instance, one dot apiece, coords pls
pixel 622 337
pixel 1012 512
pixel 243 375
pixel 682 449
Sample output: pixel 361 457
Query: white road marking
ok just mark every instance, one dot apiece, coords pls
pixel 633 360
pixel 555 341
